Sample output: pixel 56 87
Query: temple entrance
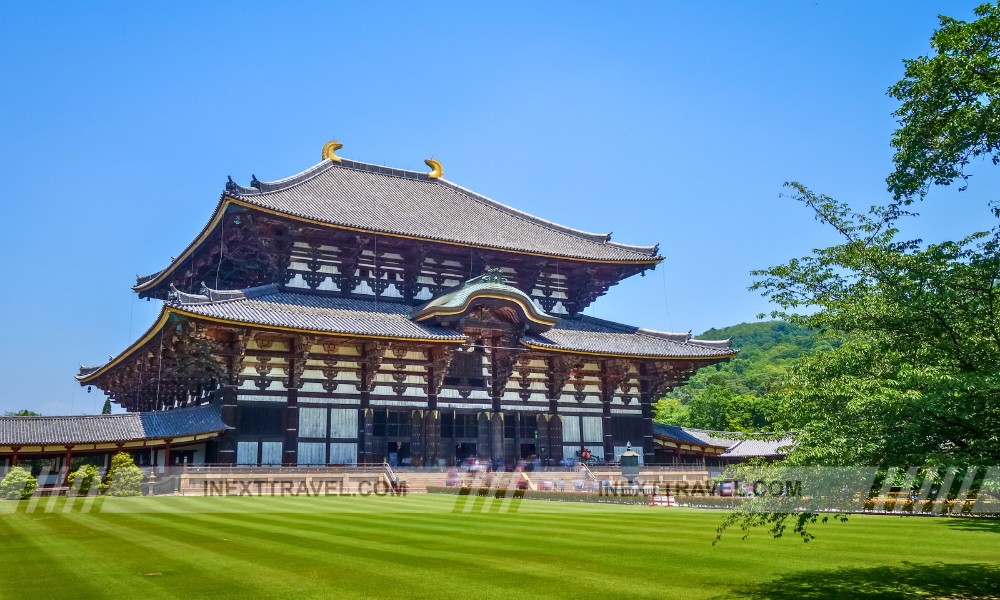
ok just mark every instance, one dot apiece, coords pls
pixel 398 454
pixel 528 451
pixel 463 451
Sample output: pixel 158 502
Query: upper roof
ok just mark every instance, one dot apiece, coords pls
pixel 93 429
pixel 585 334
pixel 412 204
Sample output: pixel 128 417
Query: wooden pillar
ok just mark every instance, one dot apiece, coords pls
pixel 13 459
pixel 367 445
pixel 66 463
pixel 417 438
pixel 496 437
pixel 542 437
pixel 227 441
pixel 609 438
pixel 613 374
pixel 648 450
pixel 432 437
pixel 367 379
pixel 290 454
pixel 166 453
pixel 651 381
pixel 483 450
pixel 555 438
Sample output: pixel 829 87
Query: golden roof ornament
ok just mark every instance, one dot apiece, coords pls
pixel 329 148
pixel 436 169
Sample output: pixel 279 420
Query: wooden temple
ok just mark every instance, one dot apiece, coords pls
pixel 354 313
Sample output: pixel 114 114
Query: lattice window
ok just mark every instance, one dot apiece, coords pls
pixel 466 370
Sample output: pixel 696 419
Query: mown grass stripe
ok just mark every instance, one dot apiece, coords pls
pixel 417 547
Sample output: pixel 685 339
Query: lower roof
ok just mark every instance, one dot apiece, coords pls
pixel 110 429
pixel 270 307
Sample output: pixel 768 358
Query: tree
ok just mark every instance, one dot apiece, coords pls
pixel 17 484
pixel 949 111
pixel 21 413
pixel 672 411
pixel 124 478
pixel 106 409
pixel 917 381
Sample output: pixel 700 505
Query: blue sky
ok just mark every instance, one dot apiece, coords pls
pixel 662 122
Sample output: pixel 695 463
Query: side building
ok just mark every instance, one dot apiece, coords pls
pixel 354 313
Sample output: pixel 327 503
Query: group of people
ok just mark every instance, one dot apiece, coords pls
pixel 472 464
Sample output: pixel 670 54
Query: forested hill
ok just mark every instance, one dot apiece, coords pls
pixel 735 396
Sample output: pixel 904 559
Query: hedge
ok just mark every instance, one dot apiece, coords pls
pixel 593 497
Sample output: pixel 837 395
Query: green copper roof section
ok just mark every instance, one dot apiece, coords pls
pixel 490 285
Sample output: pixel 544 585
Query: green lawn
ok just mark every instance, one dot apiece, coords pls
pixel 418 547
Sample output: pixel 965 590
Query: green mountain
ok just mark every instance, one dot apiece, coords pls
pixel 739 395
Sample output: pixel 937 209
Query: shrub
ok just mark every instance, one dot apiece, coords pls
pixel 83 479
pixel 486 491
pixel 124 478
pixel 18 484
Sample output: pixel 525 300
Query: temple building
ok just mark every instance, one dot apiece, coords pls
pixel 354 313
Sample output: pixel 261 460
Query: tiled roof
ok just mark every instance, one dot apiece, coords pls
pixel 587 334
pixel 268 306
pixel 737 445
pixel 409 203
pixel 36 431
pixel 748 448
pixel 87 370
pixel 689 435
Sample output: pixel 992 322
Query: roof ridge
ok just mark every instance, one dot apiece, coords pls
pixel 715 431
pixel 118 415
pixel 724 344
pixel 600 238
pixel 741 436
pixel 261 290
pixel 259 188
pixel 209 295
pixel 672 336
